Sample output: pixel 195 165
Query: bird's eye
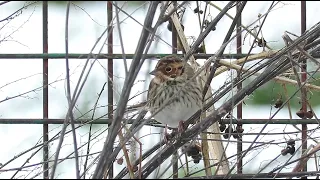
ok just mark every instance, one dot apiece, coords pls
pixel 168 69
pixel 180 67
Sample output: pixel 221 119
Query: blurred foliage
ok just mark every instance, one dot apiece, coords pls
pixel 271 91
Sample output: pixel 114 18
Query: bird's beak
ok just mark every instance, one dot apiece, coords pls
pixel 153 72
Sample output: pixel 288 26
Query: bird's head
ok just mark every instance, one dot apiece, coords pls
pixel 172 68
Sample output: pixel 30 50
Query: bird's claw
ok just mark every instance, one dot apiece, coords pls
pixel 178 131
pixel 181 127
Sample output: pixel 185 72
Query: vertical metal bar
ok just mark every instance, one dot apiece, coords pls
pixel 303 79
pixel 110 71
pixel 175 166
pixel 239 107
pixel 45 89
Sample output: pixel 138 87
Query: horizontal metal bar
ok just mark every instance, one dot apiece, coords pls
pixel 114 56
pixel 261 175
pixel 272 121
pixel 153 122
pixel 60 121
pixel 103 56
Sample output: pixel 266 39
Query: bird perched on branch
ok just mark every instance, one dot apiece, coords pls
pixel 172 84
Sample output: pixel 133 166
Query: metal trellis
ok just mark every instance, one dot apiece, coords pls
pixel 110 57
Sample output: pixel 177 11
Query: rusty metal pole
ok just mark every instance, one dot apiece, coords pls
pixel 154 123
pixel 110 71
pixel 239 107
pixel 45 103
pixel 78 56
pixel 303 79
pixel 175 166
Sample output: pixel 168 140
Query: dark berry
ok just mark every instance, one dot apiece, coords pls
pixel 284 152
pixel 309 114
pixel 222 127
pixel 291 142
pixel 278 103
pixel 291 150
pixel 300 114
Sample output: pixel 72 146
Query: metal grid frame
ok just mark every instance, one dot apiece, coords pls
pixel 45 56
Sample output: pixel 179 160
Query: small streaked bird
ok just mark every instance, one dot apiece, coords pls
pixel 170 84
